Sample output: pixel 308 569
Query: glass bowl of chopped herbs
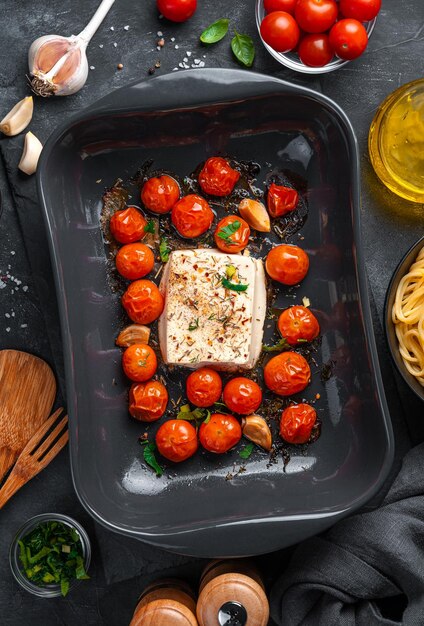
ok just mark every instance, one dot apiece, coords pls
pixel 50 554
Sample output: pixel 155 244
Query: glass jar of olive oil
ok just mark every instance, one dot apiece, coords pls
pixel 396 141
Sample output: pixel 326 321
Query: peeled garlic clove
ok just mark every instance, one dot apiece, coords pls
pixel 255 214
pixel 31 154
pixel 18 118
pixel 134 333
pixel 256 429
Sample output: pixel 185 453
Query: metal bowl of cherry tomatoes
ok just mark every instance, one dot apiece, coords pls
pixel 316 36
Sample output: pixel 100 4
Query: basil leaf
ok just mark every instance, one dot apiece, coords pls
pixel 150 458
pixel 247 451
pixel 280 346
pixel 215 32
pixel 233 286
pixel 226 232
pixel 150 227
pixel 243 49
pixel 164 251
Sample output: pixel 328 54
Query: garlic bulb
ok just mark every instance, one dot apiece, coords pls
pixel 58 65
pixel 18 118
pixel 31 154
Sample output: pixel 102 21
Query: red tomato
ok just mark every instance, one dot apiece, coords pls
pixel 316 16
pixel 288 264
pixel 220 434
pixel 134 260
pixel 281 200
pixel 148 401
pixel 204 387
pixel 280 31
pixel 160 194
pixel 192 216
pixel 361 10
pixel 315 50
pixel 217 177
pixel 229 241
pixel 296 423
pixel 280 5
pixel 297 324
pixel 128 225
pixel 139 362
pixel 287 373
pixel 242 395
pixel 349 39
pixel 143 302
pixel 177 10
pixel 176 440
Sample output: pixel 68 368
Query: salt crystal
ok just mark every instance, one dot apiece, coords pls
pixel 197 61
pixel 189 54
pixel 204 56
pixel 24 325
pixel 175 69
pixel 126 27
pixel 112 28
pixel 172 39
pixel 201 64
pixel 159 33
pixel 2 284
pixel 158 48
pixel 12 252
pixel 185 60
pixel 176 46
pixel 186 66
pixel 181 65
pixel 100 45
pixel 115 45
pixel 13 313
pixel 7 315
pixel 92 67
pixel 8 329
pixel 25 288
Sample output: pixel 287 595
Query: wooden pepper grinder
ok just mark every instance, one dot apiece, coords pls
pixel 168 602
pixel 232 594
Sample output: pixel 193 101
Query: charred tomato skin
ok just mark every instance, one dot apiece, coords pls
pixel 192 216
pixel 148 401
pixel 220 434
pixel 217 177
pixel 296 423
pixel 143 301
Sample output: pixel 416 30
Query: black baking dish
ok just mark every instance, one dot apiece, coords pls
pixel 178 120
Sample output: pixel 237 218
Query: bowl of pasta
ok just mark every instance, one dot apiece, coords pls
pixel 404 317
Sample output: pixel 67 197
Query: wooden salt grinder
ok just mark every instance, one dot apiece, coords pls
pixel 169 602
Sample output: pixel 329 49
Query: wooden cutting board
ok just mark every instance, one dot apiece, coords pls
pixel 27 393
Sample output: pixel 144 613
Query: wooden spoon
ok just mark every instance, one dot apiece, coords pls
pixel 27 393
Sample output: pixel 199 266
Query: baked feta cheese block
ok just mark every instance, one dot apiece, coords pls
pixel 215 306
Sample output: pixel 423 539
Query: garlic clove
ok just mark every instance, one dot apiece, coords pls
pixel 30 154
pixel 256 429
pixel 18 118
pixel 134 333
pixel 255 214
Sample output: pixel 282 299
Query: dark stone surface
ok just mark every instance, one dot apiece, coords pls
pixel 390 226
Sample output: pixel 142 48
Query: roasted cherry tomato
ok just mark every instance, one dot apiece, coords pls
pixel 298 324
pixel 139 362
pixel 204 387
pixel 316 16
pixel 192 216
pixel 287 373
pixel 134 260
pixel 242 395
pixel 349 39
pixel 176 440
pixel 232 234
pixel 280 5
pixel 160 194
pixel 148 401
pixel 287 264
pixel 177 10
pixel 281 200
pixel 361 10
pixel 297 422
pixel 280 31
pixel 143 302
pixel 217 177
pixel 127 226
pixel 315 50
pixel 220 434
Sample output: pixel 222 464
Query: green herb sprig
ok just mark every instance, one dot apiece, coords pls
pixel 150 227
pixel 247 451
pixel 226 232
pixel 164 250
pixel 149 456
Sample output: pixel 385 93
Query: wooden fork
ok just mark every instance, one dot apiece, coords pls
pixel 36 455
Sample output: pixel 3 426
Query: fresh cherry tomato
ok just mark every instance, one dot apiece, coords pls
pixel 217 177
pixel 148 401
pixel 316 16
pixel 134 260
pixel 297 422
pixel 315 50
pixel 287 373
pixel 288 264
pixel 143 302
pixel 280 5
pixel 204 387
pixel 349 39
pixel 242 395
pixel 139 362
pixel 361 10
pixel 232 234
pixel 127 226
pixel 160 194
pixel 220 434
pixel 280 31
pixel 177 10
pixel 176 440
pixel 298 324
pixel 192 216
pixel 281 200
